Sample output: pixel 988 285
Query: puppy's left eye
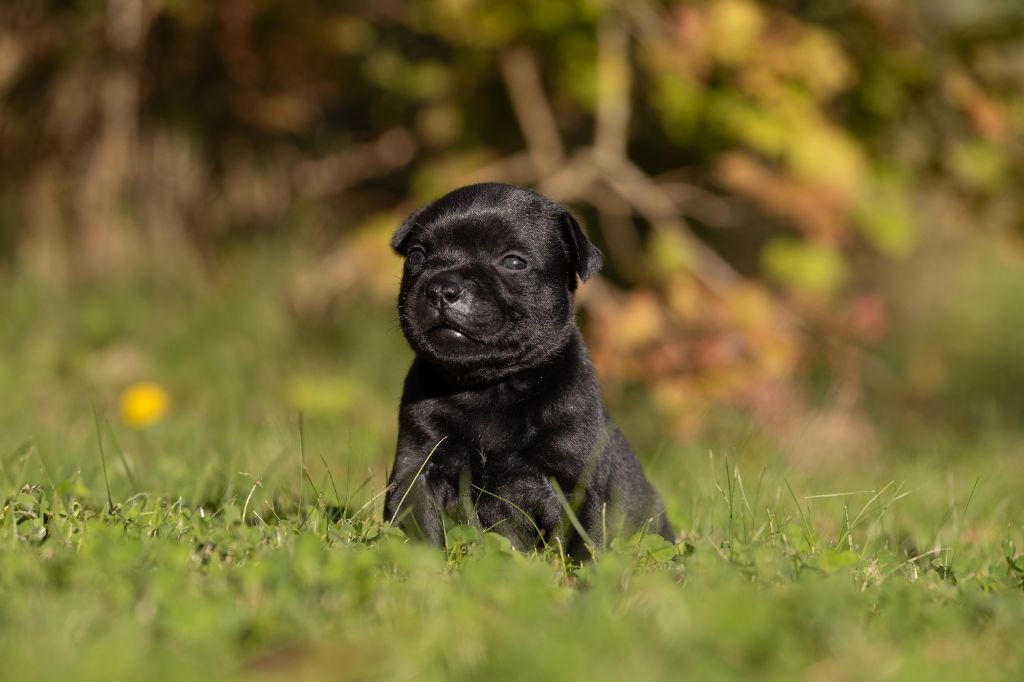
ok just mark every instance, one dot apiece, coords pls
pixel 416 255
pixel 513 263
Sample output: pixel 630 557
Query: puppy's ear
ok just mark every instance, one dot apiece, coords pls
pixel 586 258
pixel 400 237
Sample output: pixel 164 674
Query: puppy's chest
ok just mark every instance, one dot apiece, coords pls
pixel 492 444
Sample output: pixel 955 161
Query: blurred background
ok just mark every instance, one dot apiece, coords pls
pixel 811 215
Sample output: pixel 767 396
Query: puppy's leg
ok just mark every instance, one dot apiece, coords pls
pixel 589 514
pixel 415 506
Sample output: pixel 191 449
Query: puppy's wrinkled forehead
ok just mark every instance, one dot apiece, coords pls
pixel 470 234
pixel 487 222
pixel 481 220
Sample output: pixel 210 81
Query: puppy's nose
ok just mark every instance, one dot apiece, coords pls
pixel 445 289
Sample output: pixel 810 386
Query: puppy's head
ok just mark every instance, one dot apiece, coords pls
pixel 490 271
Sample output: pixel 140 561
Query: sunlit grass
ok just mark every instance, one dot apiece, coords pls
pixel 769 579
pixel 230 539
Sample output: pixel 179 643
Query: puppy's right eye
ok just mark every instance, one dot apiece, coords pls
pixel 513 262
pixel 416 255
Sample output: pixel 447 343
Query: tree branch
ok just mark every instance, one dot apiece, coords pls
pixel 536 120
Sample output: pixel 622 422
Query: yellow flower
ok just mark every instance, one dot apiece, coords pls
pixel 143 404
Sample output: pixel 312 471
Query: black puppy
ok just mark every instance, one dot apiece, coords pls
pixel 501 423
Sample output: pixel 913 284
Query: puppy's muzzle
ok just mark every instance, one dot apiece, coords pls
pixel 445 289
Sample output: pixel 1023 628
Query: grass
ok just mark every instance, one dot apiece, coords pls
pixel 234 541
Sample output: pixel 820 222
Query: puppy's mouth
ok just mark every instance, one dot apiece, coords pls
pixel 446 332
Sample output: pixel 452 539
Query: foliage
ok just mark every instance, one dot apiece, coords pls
pixel 744 164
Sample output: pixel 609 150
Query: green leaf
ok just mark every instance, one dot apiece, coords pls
pixel 884 216
pixel 798 539
pixel 462 535
pixel 832 560
pixel 811 268
pixel 498 543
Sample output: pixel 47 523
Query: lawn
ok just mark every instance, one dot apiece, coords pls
pixel 234 539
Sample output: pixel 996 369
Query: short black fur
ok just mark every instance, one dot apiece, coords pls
pixel 502 395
